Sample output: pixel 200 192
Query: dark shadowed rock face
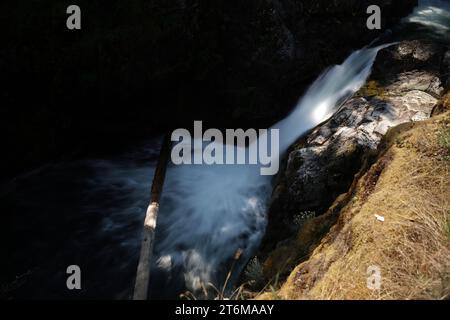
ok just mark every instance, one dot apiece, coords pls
pixel 405 84
pixel 140 67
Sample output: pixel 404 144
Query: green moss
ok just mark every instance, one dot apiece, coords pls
pixel 371 89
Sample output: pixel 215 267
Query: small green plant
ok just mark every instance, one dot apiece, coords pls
pixel 254 274
pixel 444 138
pixel 302 217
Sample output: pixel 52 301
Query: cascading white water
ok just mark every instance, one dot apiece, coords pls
pixel 432 16
pixel 208 212
pixel 218 210
pixel 325 95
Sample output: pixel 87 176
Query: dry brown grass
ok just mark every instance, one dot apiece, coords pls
pixel 411 247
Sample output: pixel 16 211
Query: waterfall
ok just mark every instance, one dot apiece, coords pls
pixel 91 212
pixel 209 212
pixel 326 94
pixel 94 208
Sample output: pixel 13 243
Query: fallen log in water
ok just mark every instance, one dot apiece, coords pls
pixel 148 235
